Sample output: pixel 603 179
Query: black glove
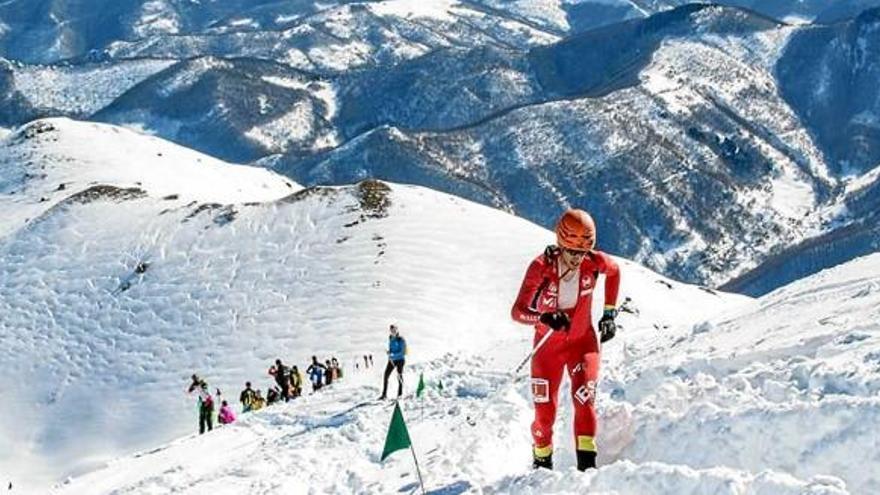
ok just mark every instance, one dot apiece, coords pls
pixel 557 320
pixel 607 327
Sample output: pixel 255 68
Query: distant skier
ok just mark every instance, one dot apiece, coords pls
pixel 282 378
pixel 366 361
pixel 296 382
pixel 226 416
pixel 259 401
pixel 396 360
pixel 557 294
pixel 272 396
pixel 337 371
pixel 329 374
pixel 316 372
pixel 206 404
pixel 247 398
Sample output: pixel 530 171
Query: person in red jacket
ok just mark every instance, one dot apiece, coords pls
pixel 557 294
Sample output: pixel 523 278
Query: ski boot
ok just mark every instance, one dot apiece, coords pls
pixel 586 460
pixel 542 461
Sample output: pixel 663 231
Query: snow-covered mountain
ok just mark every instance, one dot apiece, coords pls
pixel 45 31
pixel 49 164
pixel 240 109
pixel 673 128
pixel 827 74
pixel 699 110
pixel 702 393
pixel 733 145
pixel 128 263
pixel 695 123
pixel 858 234
pixel 725 138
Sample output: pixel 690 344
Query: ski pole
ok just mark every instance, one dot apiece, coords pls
pixel 472 420
pixel 535 349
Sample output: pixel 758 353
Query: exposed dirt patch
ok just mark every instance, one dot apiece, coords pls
pixel 309 192
pixel 226 214
pixel 202 208
pixel 374 197
pixel 34 129
pixel 108 193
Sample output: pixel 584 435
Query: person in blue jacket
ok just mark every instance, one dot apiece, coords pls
pixel 316 374
pixel 396 359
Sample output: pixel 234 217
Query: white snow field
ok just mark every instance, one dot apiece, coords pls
pixel 702 392
pixel 775 396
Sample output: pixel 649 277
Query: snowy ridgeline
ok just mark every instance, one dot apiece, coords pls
pixel 242 267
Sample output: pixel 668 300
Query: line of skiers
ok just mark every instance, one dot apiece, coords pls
pixel 288 386
pixel 321 374
pixel 289 383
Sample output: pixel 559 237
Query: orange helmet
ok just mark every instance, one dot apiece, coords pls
pixel 576 230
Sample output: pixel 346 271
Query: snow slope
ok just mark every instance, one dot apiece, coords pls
pixel 236 275
pixel 42 163
pixel 775 396
pixel 703 392
pixel 791 383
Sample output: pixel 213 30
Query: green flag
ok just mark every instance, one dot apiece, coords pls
pixel 421 388
pixel 398 436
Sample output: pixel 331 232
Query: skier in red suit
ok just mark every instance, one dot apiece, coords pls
pixel 557 294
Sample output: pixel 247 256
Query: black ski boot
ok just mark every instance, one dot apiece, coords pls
pixel 586 460
pixel 542 462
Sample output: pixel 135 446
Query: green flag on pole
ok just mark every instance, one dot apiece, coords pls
pixel 398 436
pixel 421 388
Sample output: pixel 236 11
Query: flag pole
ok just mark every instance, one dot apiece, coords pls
pixel 418 471
pixel 413 451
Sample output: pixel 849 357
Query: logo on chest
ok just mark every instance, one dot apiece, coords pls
pixel 548 299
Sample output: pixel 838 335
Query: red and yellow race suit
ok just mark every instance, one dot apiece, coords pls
pixel 576 350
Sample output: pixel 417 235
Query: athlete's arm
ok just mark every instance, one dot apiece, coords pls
pixel 524 310
pixel 609 267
